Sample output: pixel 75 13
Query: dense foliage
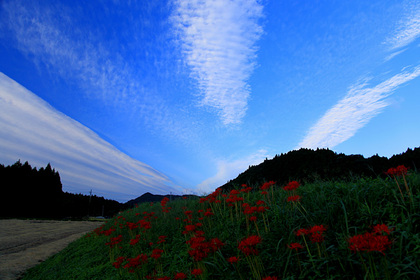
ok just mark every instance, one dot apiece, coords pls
pixel 30 193
pixel 322 164
pixel 364 228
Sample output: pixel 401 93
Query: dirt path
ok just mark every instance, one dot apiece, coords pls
pixel 25 243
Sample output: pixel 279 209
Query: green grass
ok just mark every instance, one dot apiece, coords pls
pixel 344 208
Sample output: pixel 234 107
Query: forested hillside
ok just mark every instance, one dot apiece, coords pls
pixel 308 165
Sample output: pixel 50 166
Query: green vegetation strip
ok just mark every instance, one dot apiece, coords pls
pixel 358 229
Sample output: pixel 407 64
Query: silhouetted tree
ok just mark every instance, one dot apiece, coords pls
pixel 31 193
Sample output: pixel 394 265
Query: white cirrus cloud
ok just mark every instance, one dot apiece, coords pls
pixel 218 39
pixel 32 130
pixel 228 170
pixel 51 35
pixel 353 112
pixel 408 28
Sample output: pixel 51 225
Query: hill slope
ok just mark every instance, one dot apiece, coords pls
pixel 309 165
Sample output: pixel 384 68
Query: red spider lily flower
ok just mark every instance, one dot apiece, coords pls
pixel 162 239
pixel 247 245
pixel 234 199
pixel 243 185
pixel 294 246
pixel 197 272
pixel 380 229
pixel 397 171
pixel 203 199
pixel 156 253
pixel 198 233
pixel 379 243
pixel 359 242
pixel 369 242
pixel 144 224
pixel 270 278
pixel 260 202
pixel 199 254
pixel 132 225
pixel 109 231
pixel 208 213
pixel 401 170
pixel 215 244
pixel 135 240
pixel 114 241
pixel 317 233
pixel 133 263
pixel 164 201
pixel 261 209
pixel 293 185
pixel 164 278
pixel 233 259
pixel 165 210
pixel 118 262
pixel 250 210
pixel 253 218
pixel 246 190
pixel 196 241
pixel 301 232
pixel 264 192
pixel 267 185
pixel 200 248
pixel 189 228
pixel 294 198
pixel 99 230
pixel 180 276
pixel 234 192
pixel 391 171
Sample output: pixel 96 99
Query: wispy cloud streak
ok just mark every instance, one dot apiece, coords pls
pixel 218 39
pixel 353 112
pixel 228 170
pixel 408 28
pixel 30 129
pixel 51 36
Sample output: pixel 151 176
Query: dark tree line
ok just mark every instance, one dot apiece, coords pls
pixel 30 193
pixel 306 165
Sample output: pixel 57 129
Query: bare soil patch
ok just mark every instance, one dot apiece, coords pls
pixel 26 243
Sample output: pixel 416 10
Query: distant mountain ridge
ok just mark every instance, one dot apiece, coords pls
pixel 306 165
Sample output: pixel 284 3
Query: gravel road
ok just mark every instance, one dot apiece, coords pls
pixel 26 243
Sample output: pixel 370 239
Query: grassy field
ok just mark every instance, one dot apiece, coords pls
pixel 360 229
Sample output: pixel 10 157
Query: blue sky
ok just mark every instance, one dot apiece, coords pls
pixel 125 97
